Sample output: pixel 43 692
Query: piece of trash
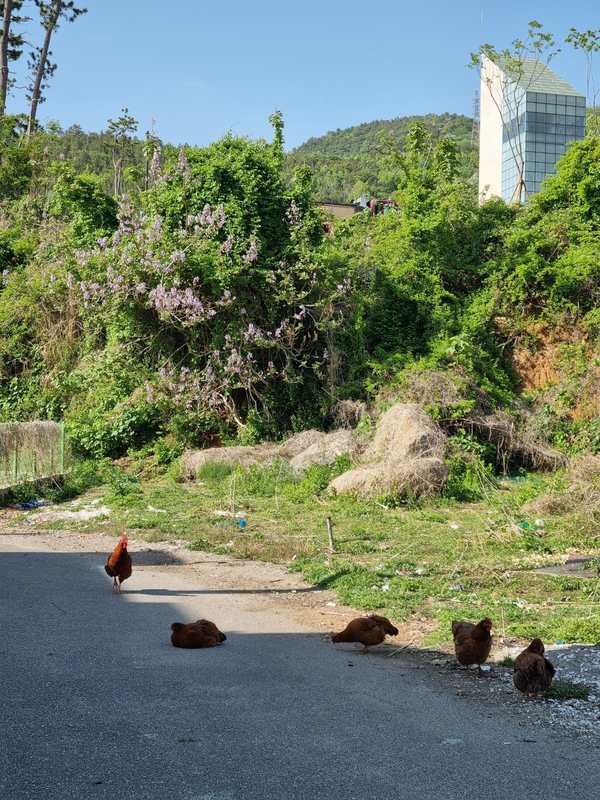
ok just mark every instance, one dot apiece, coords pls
pixel 30 504
pixel 333 605
pixel 157 510
pixel 539 523
pixel 241 523
pixel 387 508
pixel 452 741
pixel 419 571
pixel 220 524
pixel 507 743
pixel 439 662
pixel 461 692
pixel 457 588
pixel 317 591
pixel 294 557
pixel 485 668
pixel 455 527
pixel 561 642
pixel 385 588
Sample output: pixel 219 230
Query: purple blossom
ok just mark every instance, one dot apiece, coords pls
pixel 251 254
pixel 227 244
pixel 293 214
pixel 183 164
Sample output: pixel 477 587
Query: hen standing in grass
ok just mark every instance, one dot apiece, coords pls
pixel 472 643
pixel 196 634
pixel 533 673
pixel 119 564
pixel 367 631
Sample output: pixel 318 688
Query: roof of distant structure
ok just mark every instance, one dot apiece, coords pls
pixel 535 76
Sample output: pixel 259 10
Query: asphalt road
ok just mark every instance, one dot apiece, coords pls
pixel 97 703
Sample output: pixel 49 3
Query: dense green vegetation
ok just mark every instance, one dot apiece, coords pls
pixel 216 306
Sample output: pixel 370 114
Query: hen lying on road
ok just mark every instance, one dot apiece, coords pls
pixel 196 634
pixel 533 673
pixel 472 643
pixel 119 564
pixel 367 631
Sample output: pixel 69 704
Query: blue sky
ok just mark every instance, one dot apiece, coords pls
pixel 202 68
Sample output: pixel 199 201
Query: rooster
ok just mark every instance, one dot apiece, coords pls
pixel 196 634
pixel 119 564
pixel 472 643
pixel 533 673
pixel 367 631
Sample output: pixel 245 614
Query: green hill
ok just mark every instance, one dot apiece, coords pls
pixel 345 163
pixel 364 138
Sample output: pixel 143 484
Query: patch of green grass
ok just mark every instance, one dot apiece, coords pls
pixel 436 559
pixel 565 690
pixel 215 471
pixel 507 662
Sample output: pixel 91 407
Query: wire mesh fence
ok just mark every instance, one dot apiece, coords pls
pixel 31 450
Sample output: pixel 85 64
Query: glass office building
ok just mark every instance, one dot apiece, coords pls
pixel 541 115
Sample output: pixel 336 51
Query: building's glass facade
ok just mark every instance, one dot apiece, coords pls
pixel 537 129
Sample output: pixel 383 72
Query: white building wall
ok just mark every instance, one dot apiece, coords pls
pixel 490 131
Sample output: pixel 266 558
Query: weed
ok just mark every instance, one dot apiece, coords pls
pixel 565 690
pixel 215 471
pixel 507 662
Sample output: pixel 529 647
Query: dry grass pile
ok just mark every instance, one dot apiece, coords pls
pixel 301 450
pixel 326 450
pixel 499 428
pixel 405 457
pixel 348 413
pixel 582 492
pixel 193 460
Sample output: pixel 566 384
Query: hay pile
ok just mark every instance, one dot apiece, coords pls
pixel 499 428
pixel 301 450
pixel 405 456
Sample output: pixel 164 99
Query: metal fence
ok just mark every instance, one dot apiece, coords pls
pixel 31 450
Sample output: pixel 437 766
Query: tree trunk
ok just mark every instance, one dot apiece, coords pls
pixel 4 54
pixel 35 93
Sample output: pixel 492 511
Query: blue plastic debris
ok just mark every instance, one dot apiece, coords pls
pixel 31 504
pixel 241 523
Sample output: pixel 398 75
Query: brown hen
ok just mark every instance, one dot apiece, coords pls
pixel 472 643
pixel 367 631
pixel 533 672
pixel 119 564
pixel 196 634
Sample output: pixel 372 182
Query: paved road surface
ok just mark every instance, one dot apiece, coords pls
pixel 98 704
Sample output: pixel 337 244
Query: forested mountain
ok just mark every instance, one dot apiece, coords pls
pixel 364 138
pixel 345 162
